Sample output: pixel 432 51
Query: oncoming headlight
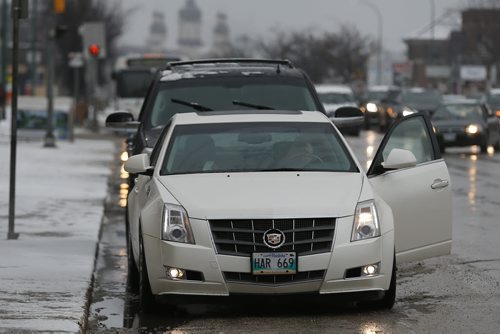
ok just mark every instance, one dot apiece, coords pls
pixel 175 225
pixel 365 222
pixel 371 107
pixel 472 129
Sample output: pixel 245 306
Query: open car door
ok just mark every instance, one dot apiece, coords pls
pixel 419 193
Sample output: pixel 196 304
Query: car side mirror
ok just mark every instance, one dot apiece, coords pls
pixel 348 116
pixel 139 164
pixel 399 158
pixel 122 121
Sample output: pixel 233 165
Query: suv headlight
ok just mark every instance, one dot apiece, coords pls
pixel 365 222
pixel 176 226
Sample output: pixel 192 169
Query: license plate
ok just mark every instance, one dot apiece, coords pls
pixel 275 263
pixel 449 136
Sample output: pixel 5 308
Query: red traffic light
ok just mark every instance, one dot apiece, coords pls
pixel 94 50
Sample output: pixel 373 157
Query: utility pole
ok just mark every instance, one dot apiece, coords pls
pixel 19 11
pixel 33 47
pixel 49 140
pixel 3 79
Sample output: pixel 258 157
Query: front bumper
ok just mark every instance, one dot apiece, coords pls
pixel 460 139
pixel 214 267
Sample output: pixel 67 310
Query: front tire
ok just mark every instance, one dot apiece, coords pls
pixel 146 297
pixel 132 270
pixel 387 302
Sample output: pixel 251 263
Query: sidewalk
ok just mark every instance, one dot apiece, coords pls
pixel 45 275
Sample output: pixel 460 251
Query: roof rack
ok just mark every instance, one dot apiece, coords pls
pixel 284 62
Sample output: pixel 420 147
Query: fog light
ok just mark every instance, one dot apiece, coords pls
pixel 370 270
pixel 176 273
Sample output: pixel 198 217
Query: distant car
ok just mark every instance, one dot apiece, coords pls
pixel 379 104
pixel 337 96
pixel 493 100
pixel 422 100
pixel 266 203
pixel 32 117
pixel 465 123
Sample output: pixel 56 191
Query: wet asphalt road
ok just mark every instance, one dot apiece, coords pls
pixel 459 293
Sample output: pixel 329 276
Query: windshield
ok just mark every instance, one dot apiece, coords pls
pixel 471 112
pixel 251 147
pixel 220 93
pixel 422 98
pixel 390 95
pixel 133 84
pixel 494 100
pixel 336 98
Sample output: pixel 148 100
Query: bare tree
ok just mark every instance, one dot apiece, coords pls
pixel 338 56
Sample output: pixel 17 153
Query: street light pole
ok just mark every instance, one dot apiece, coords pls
pixel 3 79
pixel 19 11
pixel 379 39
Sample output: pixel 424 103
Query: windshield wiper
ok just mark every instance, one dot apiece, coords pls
pixel 193 105
pixel 251 105
pixel 287 169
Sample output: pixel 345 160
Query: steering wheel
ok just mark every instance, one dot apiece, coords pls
pixel 295 157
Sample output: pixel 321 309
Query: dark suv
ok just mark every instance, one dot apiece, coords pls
pixel 220 85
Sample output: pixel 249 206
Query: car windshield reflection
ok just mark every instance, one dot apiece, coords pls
pixel 249 147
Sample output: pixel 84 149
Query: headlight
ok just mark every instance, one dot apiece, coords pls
pixel 407 112
pixel 365 222
pixel 371 107
pixel 176 226
pixel 472 129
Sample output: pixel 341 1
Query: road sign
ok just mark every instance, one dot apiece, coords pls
pixel 75 59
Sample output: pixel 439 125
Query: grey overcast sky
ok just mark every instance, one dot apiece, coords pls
pixel 257 17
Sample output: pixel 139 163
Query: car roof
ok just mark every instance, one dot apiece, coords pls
pixel 229 68
pixel 333 89
pixel 494 91
pixel 247 116
pixel 383 88
pixel 462 102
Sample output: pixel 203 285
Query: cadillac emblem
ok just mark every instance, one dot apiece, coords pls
pixel 274 238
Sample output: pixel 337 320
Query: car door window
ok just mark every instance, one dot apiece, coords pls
pixel 159 144
pixel 412 134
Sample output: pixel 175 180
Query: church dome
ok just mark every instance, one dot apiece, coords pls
pixel 190 12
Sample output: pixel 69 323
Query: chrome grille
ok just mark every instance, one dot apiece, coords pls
pixel 274 279
pixel 241 237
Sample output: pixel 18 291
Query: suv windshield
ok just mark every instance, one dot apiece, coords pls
pixel 252 147
pixel 220 94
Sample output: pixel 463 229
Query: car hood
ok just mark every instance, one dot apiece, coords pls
pixel 266 194
pixel 330 108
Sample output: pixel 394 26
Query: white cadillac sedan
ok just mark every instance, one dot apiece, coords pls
pixel 270 202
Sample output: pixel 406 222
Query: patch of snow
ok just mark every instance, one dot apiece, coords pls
pixel 60 192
